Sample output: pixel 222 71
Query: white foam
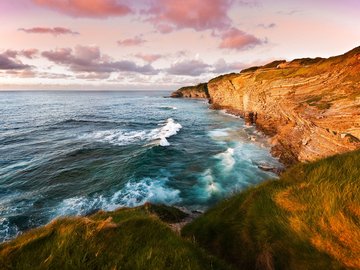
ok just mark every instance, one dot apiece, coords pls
pixel 218 133
pixel 7 231
pixel 164 142
pixel 122 137
pixel 147 190
pixel 227 158
pixel 133 194
pixel 118 137
pixel 210 185
pixel 224 112
pixel 168 107
pixel 171 128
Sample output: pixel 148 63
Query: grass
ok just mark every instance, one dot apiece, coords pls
pixel 200 90
pixel 309 219
pixel 134 238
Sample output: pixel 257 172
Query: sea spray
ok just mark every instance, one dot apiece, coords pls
pixel 73 156
pixel 124 137
pixel 134 193
pixel 170 129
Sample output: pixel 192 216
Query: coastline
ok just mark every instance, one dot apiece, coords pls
pixel 296 103
pixel 295 214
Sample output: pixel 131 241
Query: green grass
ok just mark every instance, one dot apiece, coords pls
pixel 198 91
pixel 124 239
pixel 309 219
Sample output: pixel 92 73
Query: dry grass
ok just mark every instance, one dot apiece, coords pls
pixel 309 219
pixel 286 199
pixel 134 238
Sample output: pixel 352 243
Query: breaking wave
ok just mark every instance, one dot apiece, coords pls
pixel 170 129
pixel 123 137
pixel 132 194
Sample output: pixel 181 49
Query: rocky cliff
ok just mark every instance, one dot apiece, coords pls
pixel 198 91
pixel 309 107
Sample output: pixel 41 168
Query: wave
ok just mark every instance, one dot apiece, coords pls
pixel 133 194
pixel 210 185
pixel 207 187
pixel 225 112
pixel 117 137
pixel 168 108
pixel 123 137
pixel 147 190
pixel 7 230
pixel 170 129
pixel 79 121
pixel 219 133
pixel 227 158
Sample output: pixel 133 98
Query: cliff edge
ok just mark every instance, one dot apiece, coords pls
pixel 309 107
pixel 198 91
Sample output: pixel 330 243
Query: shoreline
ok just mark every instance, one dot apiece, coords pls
pixel 251 121
pixel 297 103
pixel 287 160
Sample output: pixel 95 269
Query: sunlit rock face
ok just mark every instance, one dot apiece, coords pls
pixel 309 107
pixel 198 91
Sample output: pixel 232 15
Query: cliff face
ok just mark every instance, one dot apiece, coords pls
pixel 310 107
pixel 198 91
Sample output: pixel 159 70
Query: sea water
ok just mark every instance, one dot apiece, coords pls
pixel 72 153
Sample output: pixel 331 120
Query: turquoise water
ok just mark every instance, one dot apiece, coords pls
pixel 71 153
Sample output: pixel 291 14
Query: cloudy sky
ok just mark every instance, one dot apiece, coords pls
pixel 162 44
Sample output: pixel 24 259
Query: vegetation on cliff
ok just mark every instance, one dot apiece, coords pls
pixel 310 107
pixel 309 219
pixel 198 91
pixel 128 238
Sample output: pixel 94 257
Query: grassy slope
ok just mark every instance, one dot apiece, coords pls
pixel 124 239
pixel 309 219
pixel 199 90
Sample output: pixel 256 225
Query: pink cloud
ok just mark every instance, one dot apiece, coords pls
pixel 46 30
pixel 131 41
pixel 149 57
pixel 238 40
pixel 164 28
pixel 221 66
pixel 167 15
pixel 87 8
pixel 89 60
pixel 8 61
pixel 11 53
pixel 29 53
pixel 62 55
pixel 22 73
pixel 189 68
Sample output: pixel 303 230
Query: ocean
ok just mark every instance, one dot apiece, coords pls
pixel 72 153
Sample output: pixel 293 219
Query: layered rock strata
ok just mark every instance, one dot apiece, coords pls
pixel 198 91
pixel 309 107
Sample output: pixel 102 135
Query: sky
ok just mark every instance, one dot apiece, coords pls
pixel 162 44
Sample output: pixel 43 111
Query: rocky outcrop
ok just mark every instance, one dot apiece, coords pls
pixel 198 91
pixel 309 107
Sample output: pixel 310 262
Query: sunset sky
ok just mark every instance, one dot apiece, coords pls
pixel 162 44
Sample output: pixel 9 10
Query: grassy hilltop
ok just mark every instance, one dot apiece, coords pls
pixel 309 219
pixel 129 238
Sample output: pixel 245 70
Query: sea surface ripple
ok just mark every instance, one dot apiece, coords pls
pixel 71 153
